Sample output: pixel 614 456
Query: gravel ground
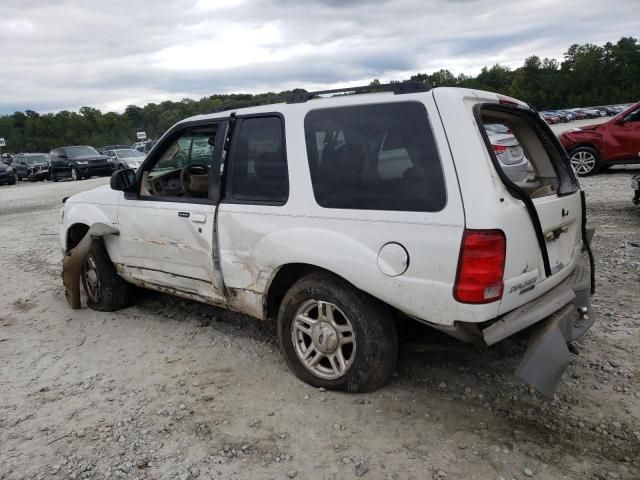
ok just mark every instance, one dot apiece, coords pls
pixel 175 389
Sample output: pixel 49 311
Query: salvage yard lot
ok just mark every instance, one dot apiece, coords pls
pixel 175 389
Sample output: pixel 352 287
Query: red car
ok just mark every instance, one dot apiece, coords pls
pixel 597 147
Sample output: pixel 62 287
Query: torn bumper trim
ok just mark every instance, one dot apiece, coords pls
pixel 574 289
pixel 556 318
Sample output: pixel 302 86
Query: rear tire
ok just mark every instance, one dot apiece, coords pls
pixel 585 161
pixel 335 336
pixel 105 290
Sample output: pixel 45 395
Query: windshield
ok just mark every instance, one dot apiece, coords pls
pixel 36 159
pixel 80 151
pixel 128 153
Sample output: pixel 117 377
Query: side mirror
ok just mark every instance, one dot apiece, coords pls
pixel 124 180
pixel 619 121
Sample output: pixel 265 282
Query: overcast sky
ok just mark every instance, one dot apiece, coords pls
pixel 63 54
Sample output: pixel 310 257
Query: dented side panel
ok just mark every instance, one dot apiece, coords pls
pixel 167 243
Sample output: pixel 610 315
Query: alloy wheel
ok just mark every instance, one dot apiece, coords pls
pixel 583 162
pixel 324 339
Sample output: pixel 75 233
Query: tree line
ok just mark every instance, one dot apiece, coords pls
pixel 589 75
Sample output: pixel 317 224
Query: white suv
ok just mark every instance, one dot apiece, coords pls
pixel 342 216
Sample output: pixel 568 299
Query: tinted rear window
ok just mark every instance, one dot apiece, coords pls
pixel 374 157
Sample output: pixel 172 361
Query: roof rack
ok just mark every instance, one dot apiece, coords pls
pixel 398 88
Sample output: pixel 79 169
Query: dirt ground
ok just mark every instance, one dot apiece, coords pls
pixel 175 389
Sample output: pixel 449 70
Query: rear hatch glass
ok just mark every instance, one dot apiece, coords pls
pixel 533 166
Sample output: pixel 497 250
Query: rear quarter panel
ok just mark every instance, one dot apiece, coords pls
pixel 488 204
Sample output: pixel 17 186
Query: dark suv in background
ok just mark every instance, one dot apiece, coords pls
pixel 32 166
pixel 78 162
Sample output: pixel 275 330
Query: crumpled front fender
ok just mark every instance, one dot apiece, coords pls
pixel 74 260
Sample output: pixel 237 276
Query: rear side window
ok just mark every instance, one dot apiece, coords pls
pixel 259 168
pixel 374 157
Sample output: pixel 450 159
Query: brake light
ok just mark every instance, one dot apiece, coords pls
pixel 507 101
pixel 499 149
pixel 480 267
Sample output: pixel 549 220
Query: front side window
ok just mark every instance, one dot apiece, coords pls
pixel 182 170
pixel 259 168
pixel 633 116
pixel 374 157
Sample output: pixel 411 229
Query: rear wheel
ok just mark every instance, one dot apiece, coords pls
pixel 106 291
pixel 335 336
pixel 585 161
pixel 74 174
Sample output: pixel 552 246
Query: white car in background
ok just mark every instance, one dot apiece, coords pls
pixel 508 151
pixel 125 158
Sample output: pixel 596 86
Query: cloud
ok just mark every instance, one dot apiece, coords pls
pixel 107 53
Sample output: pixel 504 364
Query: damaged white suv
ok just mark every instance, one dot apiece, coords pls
pixel 342 216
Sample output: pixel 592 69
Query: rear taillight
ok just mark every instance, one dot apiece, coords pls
pixel 499 149
pixel 480 267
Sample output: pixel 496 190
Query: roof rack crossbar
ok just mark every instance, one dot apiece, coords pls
pixel 397 88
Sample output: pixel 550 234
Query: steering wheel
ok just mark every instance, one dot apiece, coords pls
pixel 195 179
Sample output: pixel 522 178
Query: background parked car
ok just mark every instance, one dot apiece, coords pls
pixel 7 176
pixel 32 166
pixel 596 147
pixel 143 147
pixel 509 152
pixel 549 118
pixel 125 158
pixel 102 150
pixel 7 158
pixel 78 162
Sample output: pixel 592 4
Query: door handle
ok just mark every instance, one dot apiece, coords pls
pixel 198 218
pixel 195 217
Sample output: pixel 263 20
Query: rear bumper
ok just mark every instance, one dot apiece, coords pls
pixel 554 319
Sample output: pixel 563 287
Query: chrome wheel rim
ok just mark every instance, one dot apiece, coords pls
pixel 583 162
pixel 74 174
pixel 91 280
pixel 324 339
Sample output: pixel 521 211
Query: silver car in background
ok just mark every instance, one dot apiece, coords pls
pixel 124 158
pixel 508 151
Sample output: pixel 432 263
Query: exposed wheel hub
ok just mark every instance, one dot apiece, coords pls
pixel 324 337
